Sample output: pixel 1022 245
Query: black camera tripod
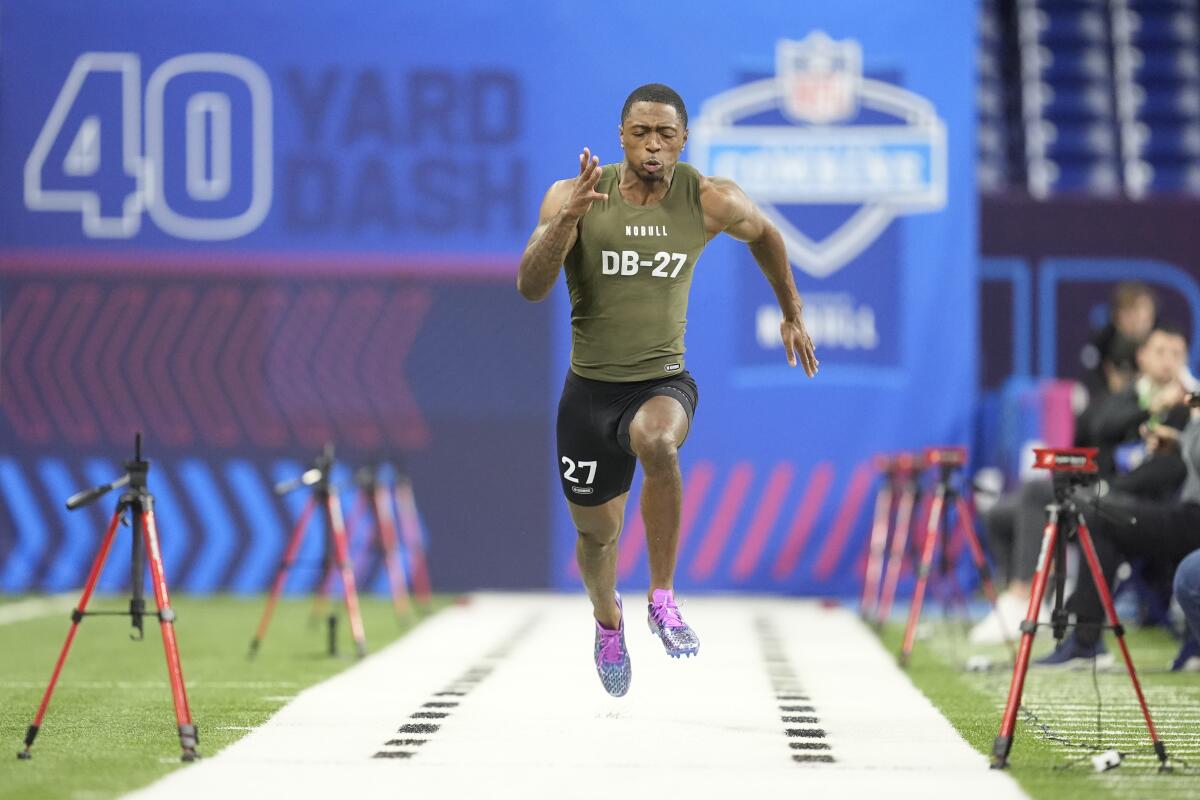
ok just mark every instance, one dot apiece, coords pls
pixel 336 557
pixel 135 508
pixel 1072 470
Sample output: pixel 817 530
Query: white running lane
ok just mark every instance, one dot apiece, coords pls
pixel 532 720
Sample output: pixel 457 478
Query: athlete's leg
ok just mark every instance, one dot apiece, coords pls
pixel 596 551
pixel 655 435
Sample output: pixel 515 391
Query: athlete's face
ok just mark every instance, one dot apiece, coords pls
pixel 652 136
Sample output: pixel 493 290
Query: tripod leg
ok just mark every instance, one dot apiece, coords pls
pixel 896 558
pixel 1110 611
pixel 876 549
pixel 188 737
pixel 289 556
pixel 325 581
pixel 137 579
pixel 391 558
pixel 1008 723
pixel 76 618
pixel 321 608
pixel 358 550
pixel 337 527
pixel 932 534
pixel 410 527
pixel 966 520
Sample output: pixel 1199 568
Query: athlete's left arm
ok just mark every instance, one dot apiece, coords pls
pixel 727 209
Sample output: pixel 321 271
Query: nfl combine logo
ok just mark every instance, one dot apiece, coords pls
pixel 841 140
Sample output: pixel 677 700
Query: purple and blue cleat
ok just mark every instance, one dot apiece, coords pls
pixel 666 623
pixel 612 657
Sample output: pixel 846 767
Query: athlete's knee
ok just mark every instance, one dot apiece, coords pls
pixel 599 534
pixel 657 450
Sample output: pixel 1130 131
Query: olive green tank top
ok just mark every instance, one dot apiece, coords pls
pixel 629 275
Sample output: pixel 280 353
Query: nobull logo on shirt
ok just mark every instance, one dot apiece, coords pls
pixel 645 230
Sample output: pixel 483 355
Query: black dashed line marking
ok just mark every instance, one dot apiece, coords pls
pixel 812 733
pixel 460 687
pixel 788 689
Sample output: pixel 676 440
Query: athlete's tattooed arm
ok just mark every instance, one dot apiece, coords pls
pixel 558 227
pixel 727 209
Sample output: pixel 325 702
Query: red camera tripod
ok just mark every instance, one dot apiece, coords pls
pixel 1071 469
pixel 374 496
pixel 906 473
pixel 337 555
pixel 135 508
pixel 949 462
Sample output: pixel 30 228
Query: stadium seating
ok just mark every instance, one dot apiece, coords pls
pixel 1093 96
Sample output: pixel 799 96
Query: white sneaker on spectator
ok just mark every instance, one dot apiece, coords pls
pixel 1007 616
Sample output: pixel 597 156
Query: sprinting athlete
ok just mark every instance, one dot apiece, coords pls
pixel 628 235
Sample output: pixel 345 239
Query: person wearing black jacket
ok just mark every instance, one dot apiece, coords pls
pixel 1121 420
pixel 1133 310
pixel 1161 359
pixel 1162 530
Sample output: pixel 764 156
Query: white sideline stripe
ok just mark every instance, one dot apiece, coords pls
pixel 139 685
pixel 540 725
pixel 35 607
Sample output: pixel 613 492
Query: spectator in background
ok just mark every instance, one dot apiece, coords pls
pixel 1119 367
pixel 1117 421
pixel 1132 312
pixel 1165 531
pixel 1124 416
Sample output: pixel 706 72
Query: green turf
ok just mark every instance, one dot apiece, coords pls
pixel 111 724
pixel 1065 704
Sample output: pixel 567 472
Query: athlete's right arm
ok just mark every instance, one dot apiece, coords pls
pixel 558 227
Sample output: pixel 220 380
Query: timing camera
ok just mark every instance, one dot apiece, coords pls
pixel 946 456
pixel 1065 459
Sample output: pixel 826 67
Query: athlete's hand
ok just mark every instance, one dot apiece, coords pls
pixel 583 188
pixel 799 344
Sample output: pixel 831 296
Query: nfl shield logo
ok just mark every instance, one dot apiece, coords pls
pixel 819 78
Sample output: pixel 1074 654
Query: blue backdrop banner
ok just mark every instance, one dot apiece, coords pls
pixel 302 223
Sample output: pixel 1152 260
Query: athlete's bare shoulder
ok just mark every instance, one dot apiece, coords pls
pixel 726 207
pixel 717 191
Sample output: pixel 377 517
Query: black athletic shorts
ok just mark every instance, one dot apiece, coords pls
pixel 595 461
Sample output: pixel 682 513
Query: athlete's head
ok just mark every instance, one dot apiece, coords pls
pixel 653 130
